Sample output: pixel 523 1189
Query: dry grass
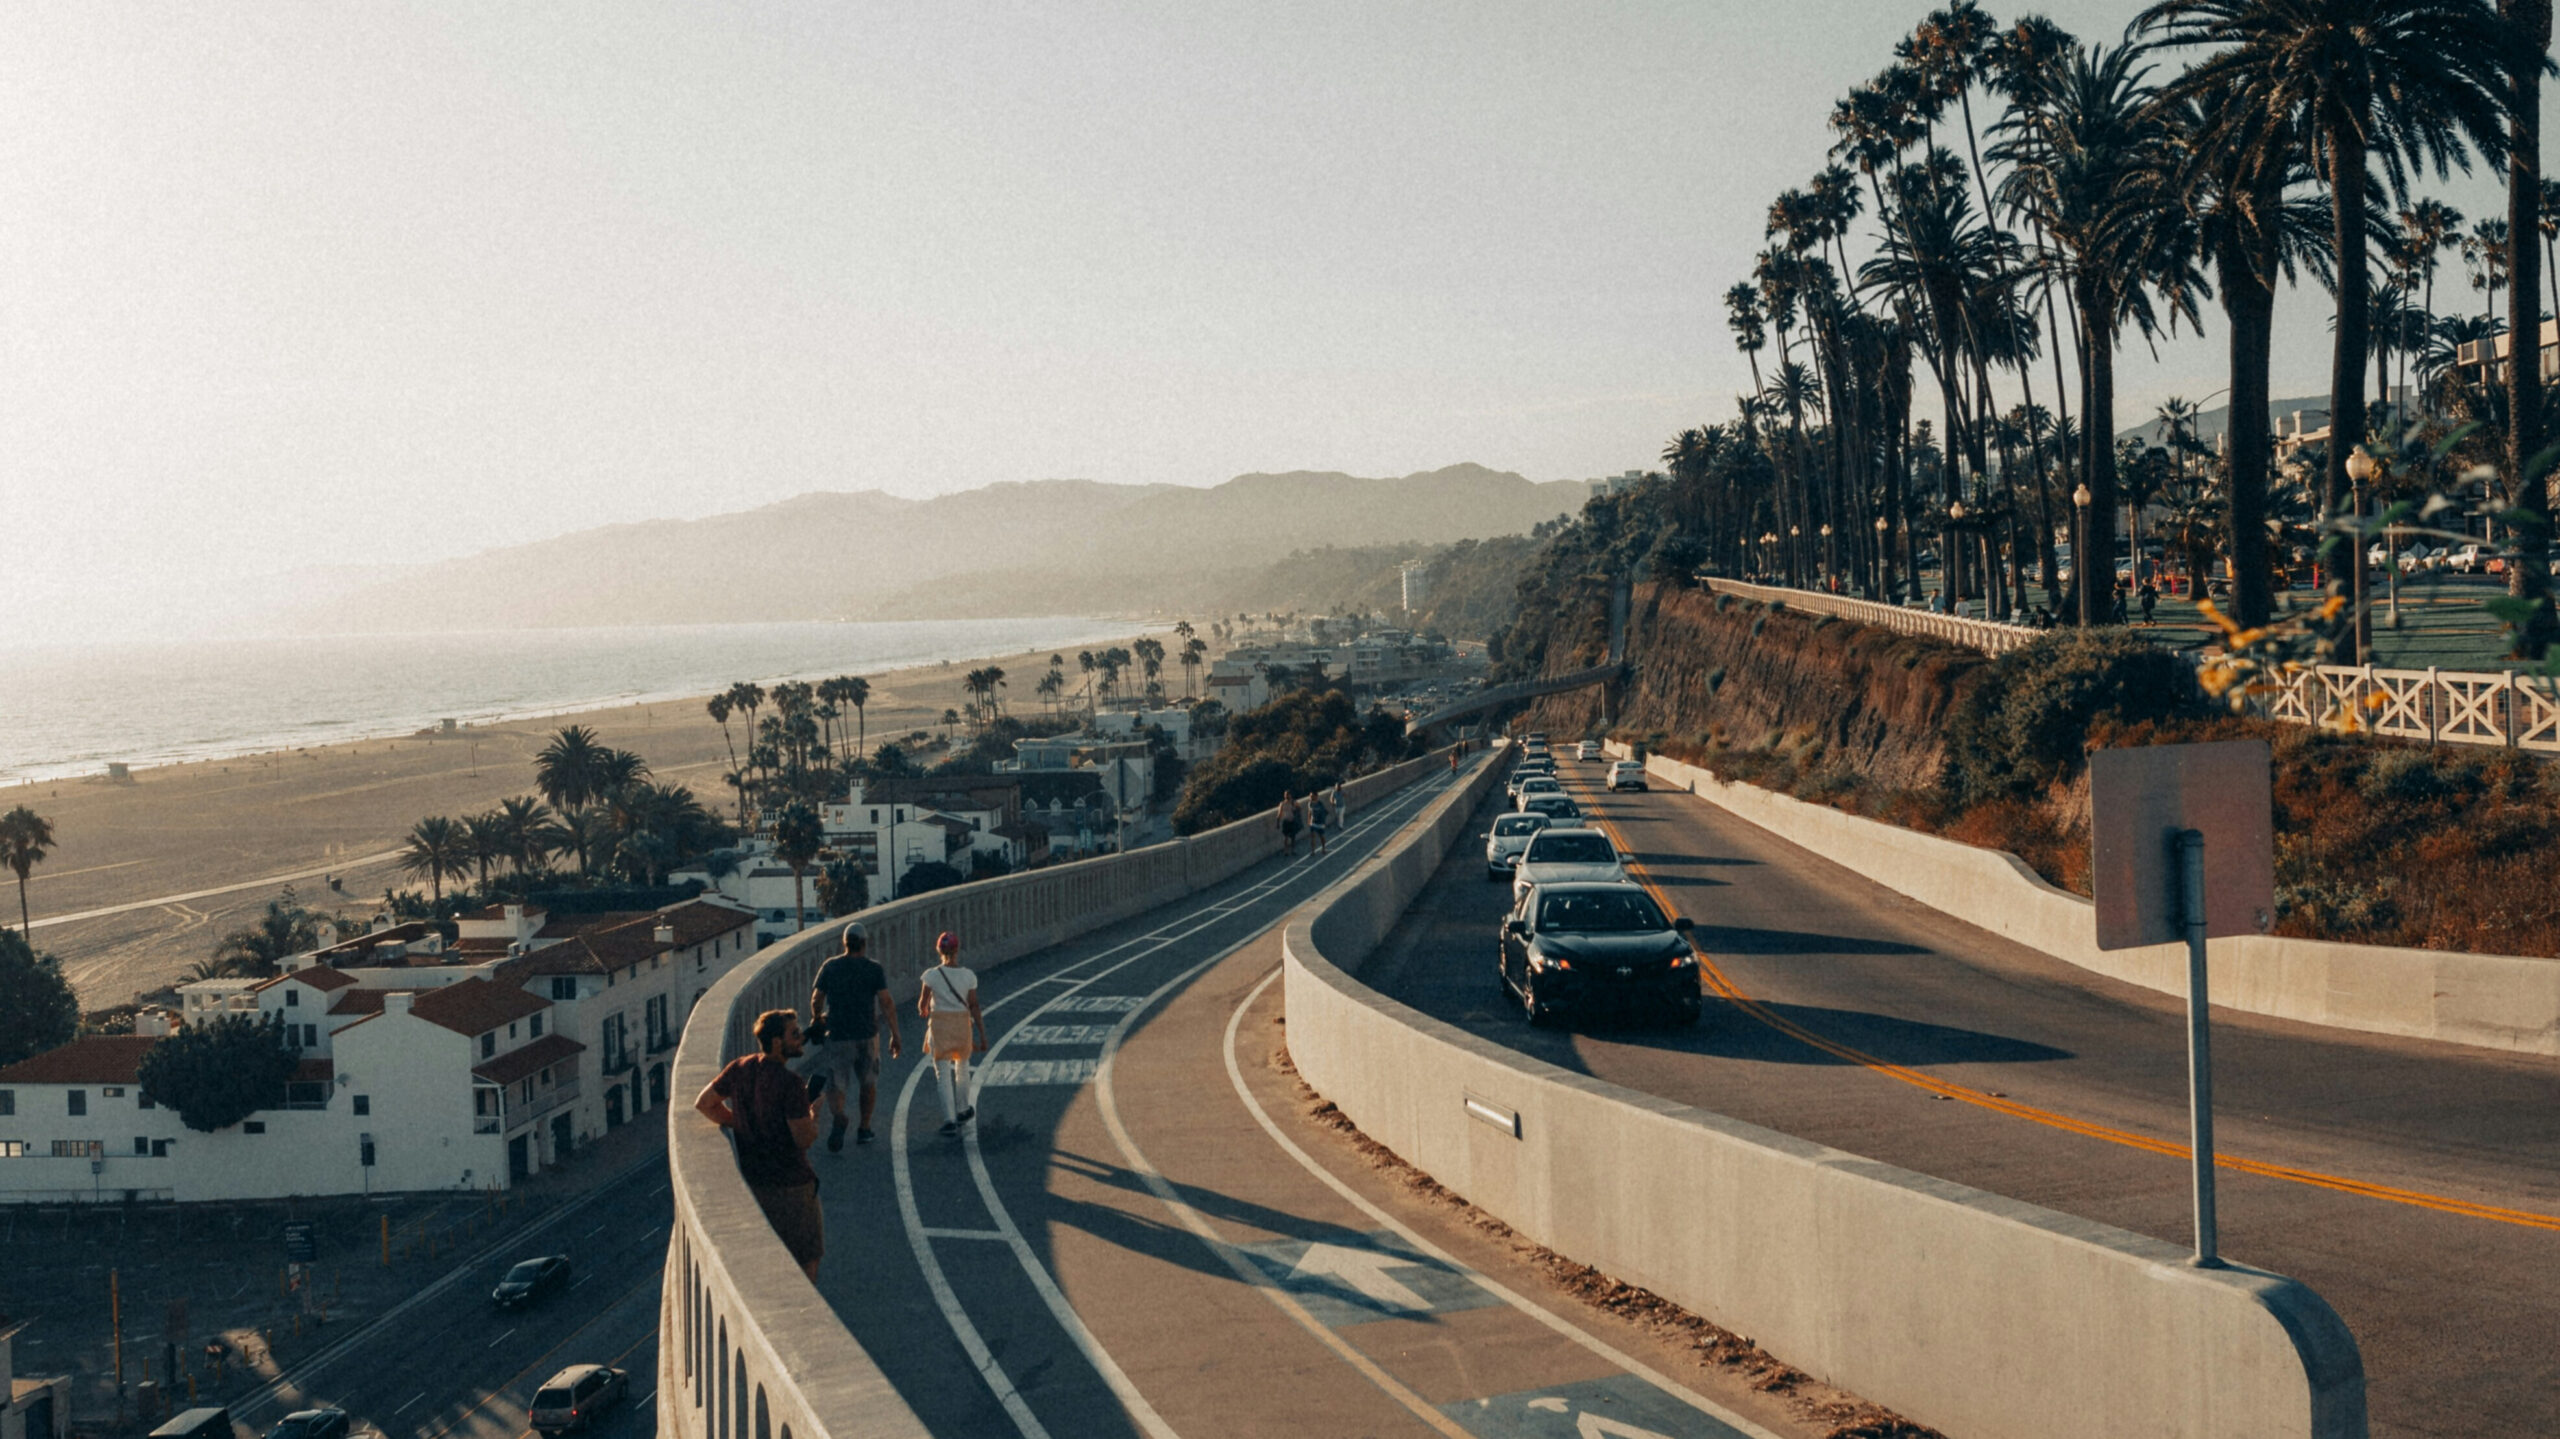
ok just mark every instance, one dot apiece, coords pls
pixel 1711 1345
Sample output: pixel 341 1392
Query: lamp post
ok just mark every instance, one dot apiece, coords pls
pixel 1951 559
pixel 1884 559
pixel 1830 557
pixel 2361 469
pixel 1768 554
pixel 2080 500
pixel 1795 555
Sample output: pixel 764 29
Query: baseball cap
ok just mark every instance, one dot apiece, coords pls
pixel 948 940
pixel 853 934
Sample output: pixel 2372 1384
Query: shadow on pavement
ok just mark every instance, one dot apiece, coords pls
pixel 1739 939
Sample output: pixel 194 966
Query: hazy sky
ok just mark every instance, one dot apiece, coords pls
pixel 311 284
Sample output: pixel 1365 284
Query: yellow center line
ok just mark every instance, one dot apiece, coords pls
pixel 1724 986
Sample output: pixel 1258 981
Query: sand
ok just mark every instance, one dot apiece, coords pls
pixel 159 843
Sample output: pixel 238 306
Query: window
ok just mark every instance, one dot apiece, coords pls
pixel 79 1149
pixel 159 1149
pixel 511 1029
pixel 13 1149
pixel 8 1102
pixel 311 1036
pixel 489 1044
pixel 526 1093
pixel 141 1146
pixel 537 1026
pixel 115 1091
pixel 364 1104
pixel 564 987
pixel 79 1100
pixel 253 1126
pixel 292 998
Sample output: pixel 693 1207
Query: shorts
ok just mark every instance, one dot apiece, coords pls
pixel 848 1061
pixel 1288 829
pixel 797 1221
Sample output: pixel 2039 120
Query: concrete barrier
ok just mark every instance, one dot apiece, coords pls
pixel 748 1349
pixel 1985 1317
pixel 2485 1000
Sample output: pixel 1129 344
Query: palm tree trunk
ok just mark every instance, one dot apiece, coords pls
pixel 2347 182
pixel 2094 565
pixel 2248 298
pixel 26 927
pixel 2530 577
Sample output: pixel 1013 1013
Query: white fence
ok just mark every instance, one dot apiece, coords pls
pixel 748 1349
pixel 2496 709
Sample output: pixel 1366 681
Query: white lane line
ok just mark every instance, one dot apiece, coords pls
pixel 1406 1232
pixel 945 1297
pixel 501 1339
pixel 599 1229
pixel 403 1409
pixel 581 1279
pixel 996 1235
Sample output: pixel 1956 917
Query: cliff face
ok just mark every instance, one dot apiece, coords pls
pixel 1720 671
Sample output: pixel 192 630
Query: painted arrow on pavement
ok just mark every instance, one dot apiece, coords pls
pixel 1362 1270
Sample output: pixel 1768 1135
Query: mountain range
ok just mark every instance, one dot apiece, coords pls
pixel 1053 546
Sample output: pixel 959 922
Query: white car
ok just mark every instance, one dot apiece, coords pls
pixel 1627 774
pixel 1510 835
pixel 1524 774
pixel 1558 855
pixel 1558 808
pixel 1536 785
pixel 1587 750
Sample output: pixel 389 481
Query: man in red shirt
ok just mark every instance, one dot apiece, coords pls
pixel 767 1106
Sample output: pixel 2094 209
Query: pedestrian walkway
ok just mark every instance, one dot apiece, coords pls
pixel 1143 1233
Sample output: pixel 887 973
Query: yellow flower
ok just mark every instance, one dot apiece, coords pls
pixel 2376 700
pixel 2329 611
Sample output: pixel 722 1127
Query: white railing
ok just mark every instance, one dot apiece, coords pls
pixel 2491 708
pixel 1989 636
pixel 748 1349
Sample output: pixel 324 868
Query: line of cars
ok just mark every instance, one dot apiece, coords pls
pixel 1581 938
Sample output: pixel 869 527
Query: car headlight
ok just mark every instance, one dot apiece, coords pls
pixel 1541 960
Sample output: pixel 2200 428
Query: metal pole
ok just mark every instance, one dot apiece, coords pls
pixel 2199 1048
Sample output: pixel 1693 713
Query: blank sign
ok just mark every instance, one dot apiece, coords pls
pixel 2139 801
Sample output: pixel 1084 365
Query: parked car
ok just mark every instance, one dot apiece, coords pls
pixel 1587 750
pixel 1588 950
pixel 311 1424
pixel 531 1281
pixel 576 1396
pixel 1503 843
pixel 1560 855
pixel 2464 559
pixel 211 1422
pixel 1558 808
pixel 1626 774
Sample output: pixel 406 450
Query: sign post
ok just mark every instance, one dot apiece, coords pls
pixel 2153 813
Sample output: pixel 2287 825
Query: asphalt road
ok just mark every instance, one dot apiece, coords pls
pixel 2416 1186
pixel 1144 1233
pixel 454 1365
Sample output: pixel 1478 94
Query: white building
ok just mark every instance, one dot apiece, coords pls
pixel 889 826
pixel 30 1407
pixel 423 1067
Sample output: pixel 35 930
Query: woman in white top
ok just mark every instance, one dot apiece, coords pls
pixel 954 1029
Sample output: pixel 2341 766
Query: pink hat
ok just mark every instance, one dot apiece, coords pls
pixel 948 941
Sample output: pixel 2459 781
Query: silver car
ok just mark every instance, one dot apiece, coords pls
pixel 1561 855
pixel 1510 835
pixel 576 1397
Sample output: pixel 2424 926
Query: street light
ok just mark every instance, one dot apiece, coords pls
pixel 2081 499
pixel 1884 559
pixel 1830 556
pixel 2362 468
pixel 1951 559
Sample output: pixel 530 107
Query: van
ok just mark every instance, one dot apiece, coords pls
pixel 197 1424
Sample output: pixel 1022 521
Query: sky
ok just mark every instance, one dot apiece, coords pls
pixel 307 286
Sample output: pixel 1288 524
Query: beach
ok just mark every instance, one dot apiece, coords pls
pixel 186 853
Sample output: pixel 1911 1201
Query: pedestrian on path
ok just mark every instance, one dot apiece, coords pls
pixel 954 1029
pixel 1341 811
pixel 1288 816
pixel 850 997
pixel 767 1106
pixel 2150 600
pixel 1318 816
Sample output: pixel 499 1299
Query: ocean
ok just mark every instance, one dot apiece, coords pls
pixel 68 710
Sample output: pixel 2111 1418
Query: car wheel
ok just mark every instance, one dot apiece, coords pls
pixel 1684 1013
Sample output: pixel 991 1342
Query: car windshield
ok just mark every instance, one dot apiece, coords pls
pixel 1519 824
pixel 1573 847
pixel 1595 911
pixel 1555 806
pixel 526 1273
pixel 554 1397
pixel 1540 784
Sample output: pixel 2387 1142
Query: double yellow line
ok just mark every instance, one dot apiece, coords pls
pixel 1723 986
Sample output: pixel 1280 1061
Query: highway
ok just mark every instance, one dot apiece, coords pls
pixel 1146 1233
pixel 453 1366
pixel 2415 1185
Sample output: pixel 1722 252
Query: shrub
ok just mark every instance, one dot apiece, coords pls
pixel 927 877
pixel 37 1009
pixel 2024 724
pixel 217 1074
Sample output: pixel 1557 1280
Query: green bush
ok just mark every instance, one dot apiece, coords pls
pixel 215 1075
pixel 37 1009
pixel 2024 724
pixel 2415 776
pixel 1302 741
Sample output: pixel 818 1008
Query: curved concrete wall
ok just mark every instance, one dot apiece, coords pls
pixel 1982 1316
pixel 2487 1000
pixel 747 1348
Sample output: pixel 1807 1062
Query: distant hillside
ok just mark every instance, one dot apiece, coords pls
pixel 2211 423
pixel 1041 547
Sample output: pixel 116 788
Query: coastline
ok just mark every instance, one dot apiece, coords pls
pixel 178 854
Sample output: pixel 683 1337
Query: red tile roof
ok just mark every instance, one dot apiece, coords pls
pixel 362 944
pixel 99 1059
pixel 319 976
pixel 358 1001
pixel 475 1006
pixel 699 922
pixel 497 912
pixel 515 1064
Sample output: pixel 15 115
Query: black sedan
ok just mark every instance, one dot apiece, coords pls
pixel 1598 949
pixel 532 1281
pixel 311 1424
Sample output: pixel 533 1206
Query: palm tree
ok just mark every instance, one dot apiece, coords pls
pixel 721 708
pixel 746 697
pixel 854 690
pixel 487 834
pixel 260 950
pixel 2484 254
pixel 26 837
pixel 2408 82
pixel 1086 662
pixel 2528 54
pixel 528 835
pixel 565 770
pixel 1195 652
pixel 438 847
pixel 797 838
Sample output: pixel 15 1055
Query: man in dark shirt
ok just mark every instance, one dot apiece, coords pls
pixel 851 994
pixel 767 1106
